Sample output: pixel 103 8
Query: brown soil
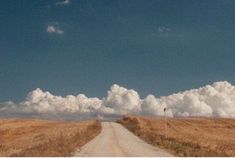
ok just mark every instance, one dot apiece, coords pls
pixel 186 136
pixel 27 137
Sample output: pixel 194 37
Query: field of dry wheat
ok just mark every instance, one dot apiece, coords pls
pixel 28 137
pixel 186 136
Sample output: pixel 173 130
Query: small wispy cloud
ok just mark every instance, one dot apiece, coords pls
pixel 64 2
pixel 54 29
pixel 164 29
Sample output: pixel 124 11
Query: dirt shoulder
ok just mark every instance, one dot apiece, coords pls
pixel 186 136
pixel 26 137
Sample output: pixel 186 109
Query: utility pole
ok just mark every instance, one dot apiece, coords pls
pixel 165 123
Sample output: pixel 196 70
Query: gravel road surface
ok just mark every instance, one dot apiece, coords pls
pixel 115 140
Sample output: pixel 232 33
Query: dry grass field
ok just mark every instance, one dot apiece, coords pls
pixel 186 136
pixel 25 137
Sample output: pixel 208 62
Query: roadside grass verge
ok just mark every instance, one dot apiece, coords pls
pixel 45 138
pixel 186 136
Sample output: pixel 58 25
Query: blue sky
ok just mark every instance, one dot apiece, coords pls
pixel 85 46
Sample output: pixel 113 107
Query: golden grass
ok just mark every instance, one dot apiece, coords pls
pixel 27 137
pixel 186 136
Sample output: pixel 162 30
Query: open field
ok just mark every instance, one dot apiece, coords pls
pixel 186 136
pixel 25 137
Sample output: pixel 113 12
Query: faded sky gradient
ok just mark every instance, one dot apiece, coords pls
pixel 85 46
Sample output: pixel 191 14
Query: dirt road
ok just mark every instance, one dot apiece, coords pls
pixel 115 140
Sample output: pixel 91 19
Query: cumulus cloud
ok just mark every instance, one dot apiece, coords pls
pixel 121 100
pixel 44 102
pixel 216 100
pixel 152 106
pixel 54 29
pixel 64 2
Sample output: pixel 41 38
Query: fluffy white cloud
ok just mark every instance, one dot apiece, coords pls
pixel 54 29
pixel 7 106
pixel 217 100
pixel 121 100
pixel 44 102
pixel 152 106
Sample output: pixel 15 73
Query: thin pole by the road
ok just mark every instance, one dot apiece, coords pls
pixel 165 123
